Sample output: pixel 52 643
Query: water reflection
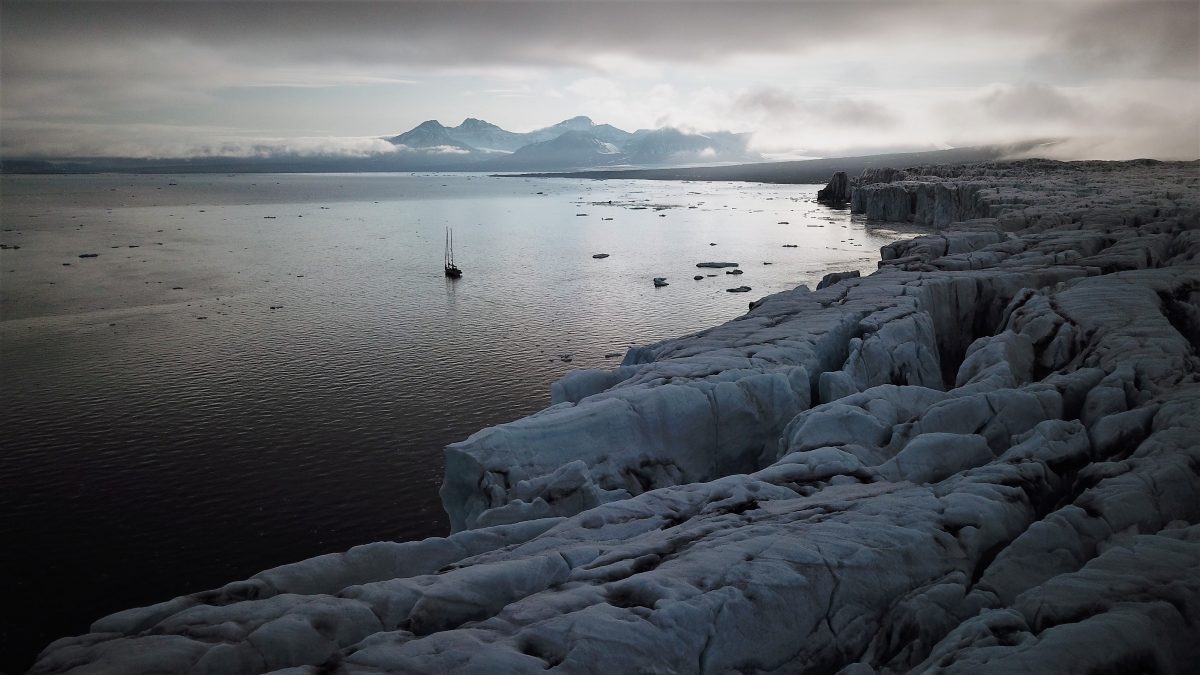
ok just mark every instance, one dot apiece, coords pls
pixel 247 376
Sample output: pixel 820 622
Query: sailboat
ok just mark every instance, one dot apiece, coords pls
pixel 452 270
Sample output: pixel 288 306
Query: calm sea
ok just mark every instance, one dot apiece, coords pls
pixel 256 369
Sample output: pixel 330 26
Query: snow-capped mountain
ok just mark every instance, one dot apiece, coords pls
pixel 569 150
pixel 573 143
pixel 487 136
pixel 433 137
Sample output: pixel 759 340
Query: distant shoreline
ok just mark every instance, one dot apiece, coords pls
pixel 793 171
pixel 803 171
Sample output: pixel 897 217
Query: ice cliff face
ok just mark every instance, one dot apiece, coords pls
pixel 985 457
pixel 837 191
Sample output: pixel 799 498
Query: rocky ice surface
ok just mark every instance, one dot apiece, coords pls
pixel 984 457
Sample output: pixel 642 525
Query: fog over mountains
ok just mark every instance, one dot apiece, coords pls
pixel 474 145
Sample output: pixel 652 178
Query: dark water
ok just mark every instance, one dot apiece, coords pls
pixel 149 452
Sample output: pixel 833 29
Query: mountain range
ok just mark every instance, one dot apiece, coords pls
pixel 577 143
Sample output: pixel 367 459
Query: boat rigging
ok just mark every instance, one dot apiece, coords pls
pixel 452 270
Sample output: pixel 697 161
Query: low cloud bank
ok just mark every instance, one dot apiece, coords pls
pixel 164 142
pixel 1111 120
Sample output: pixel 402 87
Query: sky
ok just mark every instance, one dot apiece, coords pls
pixel 1112 80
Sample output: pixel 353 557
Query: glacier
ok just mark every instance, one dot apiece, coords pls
pixel 983 457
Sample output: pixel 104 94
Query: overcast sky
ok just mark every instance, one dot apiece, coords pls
pixel 170 79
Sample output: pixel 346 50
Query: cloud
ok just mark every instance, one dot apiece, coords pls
pixel 520 92
pixel 595 88
pixel 808 76
pixel 778 104
pixel 1157 38
pixel 444 150
pixel 153 141
pixel 613 37
pixel 1031 101
pixel 1120 119
pixel 445 32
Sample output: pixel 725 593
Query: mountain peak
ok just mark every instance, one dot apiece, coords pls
pixel 577 122
pixel 430 134
pixel 475 124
